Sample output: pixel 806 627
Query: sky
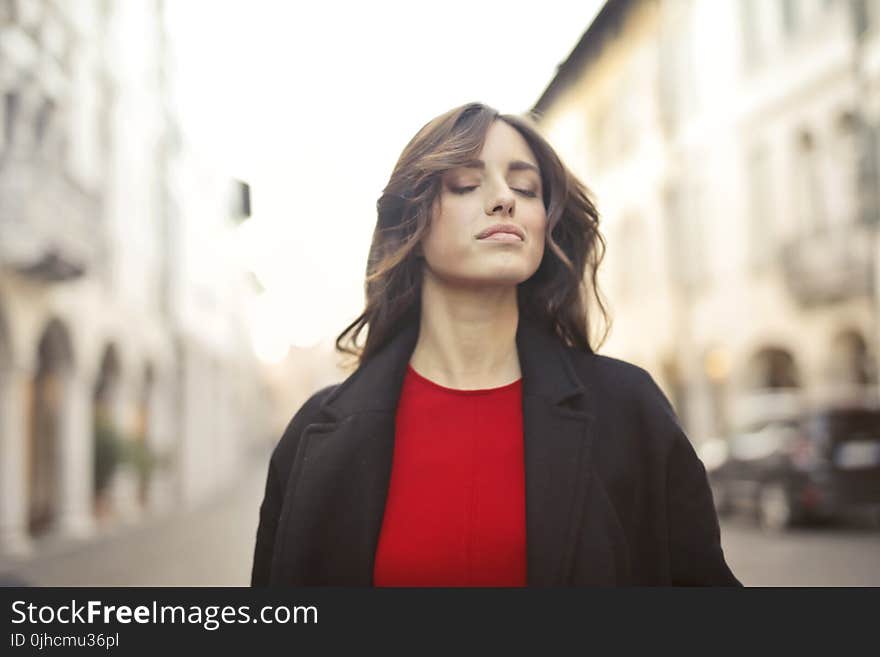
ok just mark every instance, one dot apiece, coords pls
pixel 312 103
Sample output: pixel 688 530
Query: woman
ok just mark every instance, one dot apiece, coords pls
pixel 481 441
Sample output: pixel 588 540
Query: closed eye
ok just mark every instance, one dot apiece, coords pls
pixel 465 190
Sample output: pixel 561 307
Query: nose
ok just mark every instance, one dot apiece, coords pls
pixel 502 199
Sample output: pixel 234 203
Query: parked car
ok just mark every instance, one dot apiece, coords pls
pixel 815 465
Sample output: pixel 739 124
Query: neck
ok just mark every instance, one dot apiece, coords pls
pixel 467 335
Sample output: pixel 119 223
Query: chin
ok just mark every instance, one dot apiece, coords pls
pixel 504 277
pixel 497 274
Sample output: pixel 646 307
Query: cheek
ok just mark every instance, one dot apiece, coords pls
pixel 538 229
pixel 443 239
pixel 540 243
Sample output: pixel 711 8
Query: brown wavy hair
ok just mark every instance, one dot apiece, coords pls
pixel 556 295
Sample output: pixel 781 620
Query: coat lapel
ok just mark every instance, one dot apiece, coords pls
pixel 335 499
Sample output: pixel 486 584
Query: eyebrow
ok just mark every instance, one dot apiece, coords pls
pixel 515 165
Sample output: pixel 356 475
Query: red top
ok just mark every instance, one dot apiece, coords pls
pixel 455 513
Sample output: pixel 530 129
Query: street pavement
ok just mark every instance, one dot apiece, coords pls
pixel 845 553
pixel 213 546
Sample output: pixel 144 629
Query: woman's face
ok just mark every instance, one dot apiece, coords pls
pixel 502 187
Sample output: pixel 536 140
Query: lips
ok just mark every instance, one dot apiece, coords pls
pixel 509 229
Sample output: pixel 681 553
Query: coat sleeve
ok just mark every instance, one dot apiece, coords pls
pixel 276 484
pixel 270 509
pixel 696 557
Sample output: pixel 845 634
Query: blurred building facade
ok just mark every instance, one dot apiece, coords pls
pixel 127 380
pixel 732 149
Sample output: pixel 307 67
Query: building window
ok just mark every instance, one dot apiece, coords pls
pixel 861 15
pixel 866 172
pixel 599 138
pixel 679 83
pixel 240 200
pixel 752 46
pixel 686 246
pixel 762 25
pixel 761 239
pixel 624 117
pixel 43 121
pixel 791 16
pixel 841 166
pixel 632 260
pixel 7 12
pixel 674 233
pixel 808 197
pixel 11 104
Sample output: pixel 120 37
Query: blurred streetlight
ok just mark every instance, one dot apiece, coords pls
pixel 717 365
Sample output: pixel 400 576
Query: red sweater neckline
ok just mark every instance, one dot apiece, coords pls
pixel 459 391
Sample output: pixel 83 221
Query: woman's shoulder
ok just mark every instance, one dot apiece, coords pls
pixel 620 378
pixel 621 371
pixel 308 412
pixel 628 389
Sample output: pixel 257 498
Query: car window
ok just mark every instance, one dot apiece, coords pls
pixel 853 424
pixel 755 445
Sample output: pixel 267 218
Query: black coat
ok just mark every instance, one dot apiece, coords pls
pixel 615 493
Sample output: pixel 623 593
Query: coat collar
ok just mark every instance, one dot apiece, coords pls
pixel 547 372
pixel 350 453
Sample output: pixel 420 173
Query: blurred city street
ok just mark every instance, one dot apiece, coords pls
pixel 213 546
pixel 188 206
pixel 846 554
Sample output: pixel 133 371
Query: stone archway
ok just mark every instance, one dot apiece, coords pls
pixel 5 372
pixel 5 344
pixel 107 443
pixel 48 391
pixel 143 429
pixel 850 362
pixel 772 368
pixel 11 448
pixel 770 386
pixel 671 373
pixel 716 371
